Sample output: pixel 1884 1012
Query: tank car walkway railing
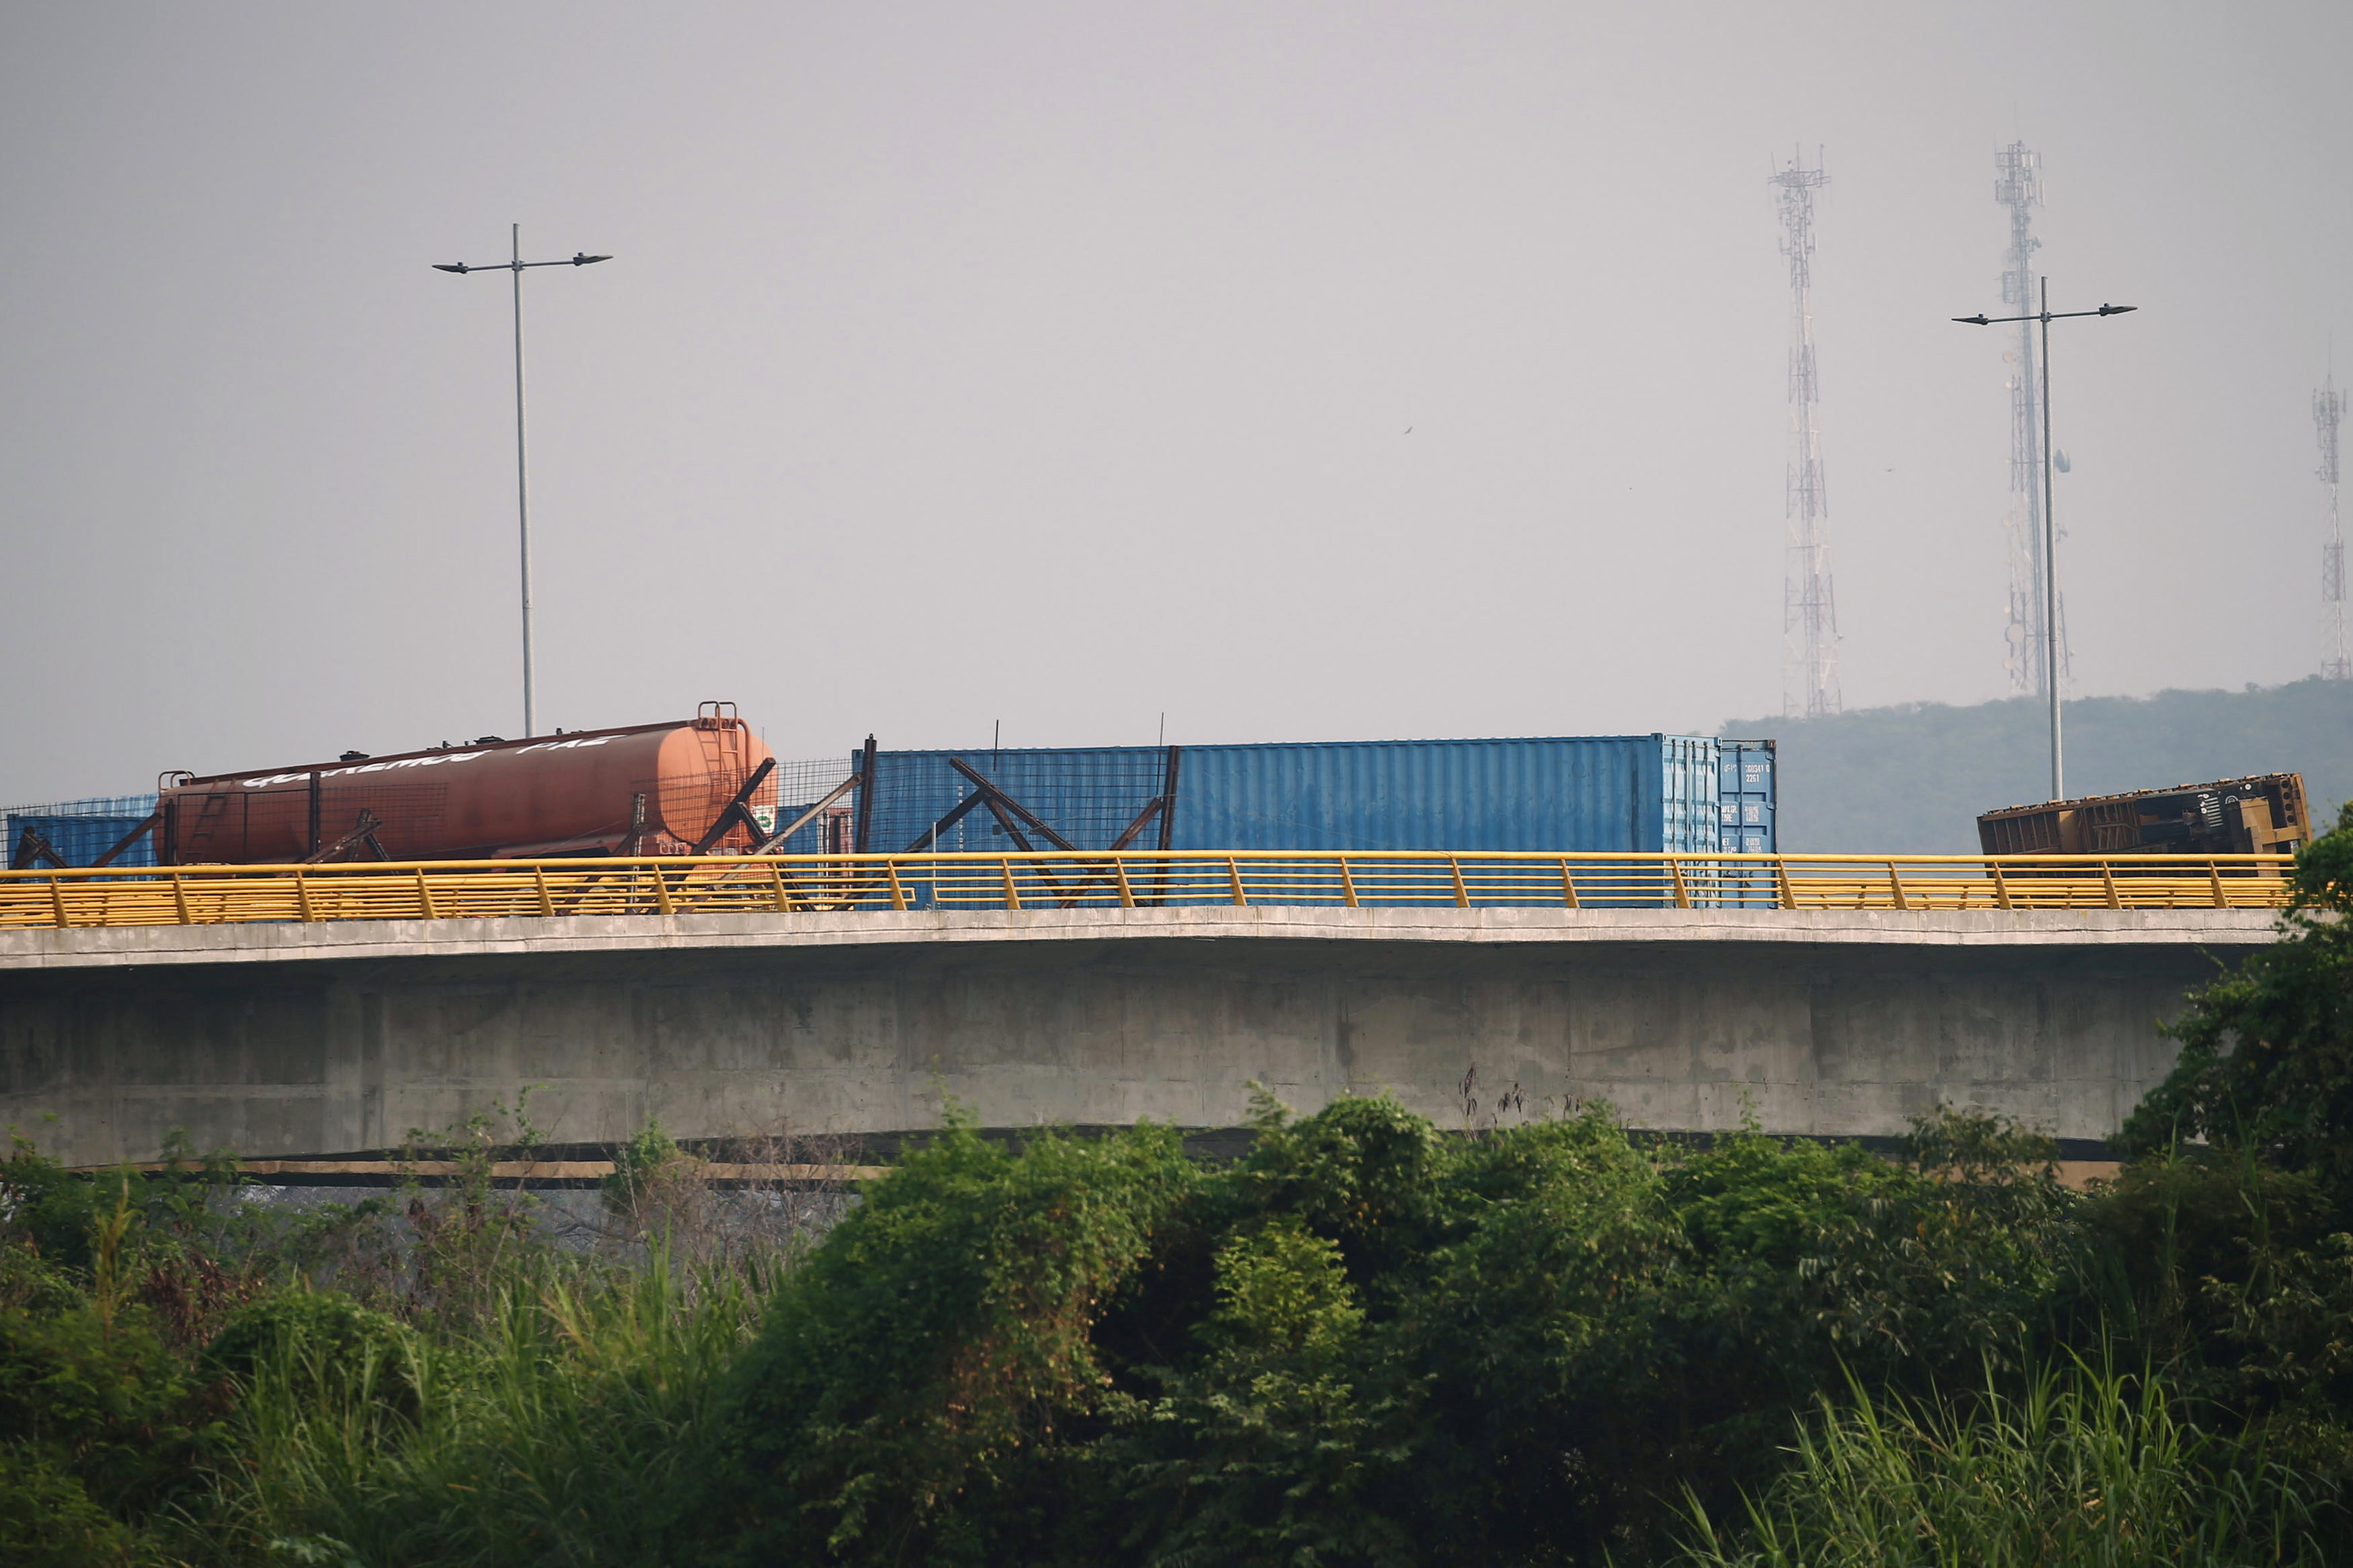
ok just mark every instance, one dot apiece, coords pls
pixel 469 889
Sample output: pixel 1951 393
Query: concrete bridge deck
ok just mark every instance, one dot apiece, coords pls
pixel 288 1039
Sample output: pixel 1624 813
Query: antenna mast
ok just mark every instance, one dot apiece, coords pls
pixel 2019 187
pixel 1810 679
pixel 2328 413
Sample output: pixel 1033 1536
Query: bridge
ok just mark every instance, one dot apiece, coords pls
pixel 287 1012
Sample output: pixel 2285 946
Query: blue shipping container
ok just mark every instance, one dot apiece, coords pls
pixel 1637 792
pixel 1642 793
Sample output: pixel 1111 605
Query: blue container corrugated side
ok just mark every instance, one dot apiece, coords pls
pixel 1641 793
pixel 1590 794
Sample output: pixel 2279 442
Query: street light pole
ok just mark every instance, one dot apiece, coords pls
pixel 522 485
pixel 2051 642
pixel 2050 525
pixel 523 465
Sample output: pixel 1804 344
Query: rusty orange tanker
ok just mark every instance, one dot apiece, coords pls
pixel 706 784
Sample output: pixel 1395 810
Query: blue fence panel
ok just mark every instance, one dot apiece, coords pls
pixel 79 830
pixel 1089 796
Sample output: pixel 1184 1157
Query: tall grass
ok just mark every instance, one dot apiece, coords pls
pixel 2088 1466
pixel 561 1431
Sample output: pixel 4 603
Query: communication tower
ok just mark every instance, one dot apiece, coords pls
pixel 1810 678
pixel 2019 187
pixel 2328 413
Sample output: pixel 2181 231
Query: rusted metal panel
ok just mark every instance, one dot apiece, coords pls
pixel 2259 815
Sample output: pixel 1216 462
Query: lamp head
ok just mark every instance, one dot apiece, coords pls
pixel 2117 309
pixel 1972 321
pixel 449 267
pixel 581 258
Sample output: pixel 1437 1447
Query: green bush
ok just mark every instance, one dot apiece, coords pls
pixel 1270 1449
pixel 89 1388
pixel 1535 1346
pixel 102 1396
pixel 44 1208
pixel 919 1379
pixel 328 1348
pixel 47 1519
pixel 1362 1342
pixel 2266 1059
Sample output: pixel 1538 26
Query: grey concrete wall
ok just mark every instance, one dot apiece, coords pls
pixel 294 1039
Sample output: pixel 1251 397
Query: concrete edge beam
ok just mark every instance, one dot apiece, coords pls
pixel 291 941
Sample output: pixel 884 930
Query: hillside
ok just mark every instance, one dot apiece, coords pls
pixel 1913 779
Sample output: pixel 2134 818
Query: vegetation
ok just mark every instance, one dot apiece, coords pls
pixel 1365 1342
pixel 1912 779
pixel 2081 1466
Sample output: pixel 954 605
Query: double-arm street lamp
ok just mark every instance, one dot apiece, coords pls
pixel 2050 529
pixel 522 469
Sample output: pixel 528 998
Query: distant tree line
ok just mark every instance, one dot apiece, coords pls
pixel 1913 779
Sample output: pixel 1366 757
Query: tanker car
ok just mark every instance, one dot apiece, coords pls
pixel 706 785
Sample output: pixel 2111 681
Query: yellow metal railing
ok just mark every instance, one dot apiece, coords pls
pixel 472 889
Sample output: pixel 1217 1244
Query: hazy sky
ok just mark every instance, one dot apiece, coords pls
pixel 1054 365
